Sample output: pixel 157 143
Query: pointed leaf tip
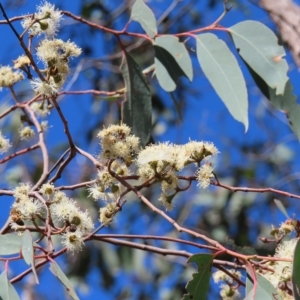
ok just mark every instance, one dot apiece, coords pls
pixel 142 14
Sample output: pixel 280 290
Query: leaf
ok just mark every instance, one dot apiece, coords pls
pixel 198 287
pixel 171 61
pixel 7 290
pixel 281 207
pixel 286 102
pixel 222 70
pixel 137 108
pixel 28 252
pixel 295 274
pixel 56 270
pixel 258 46
pixel 264 290
pixel 10 244
pixel 143 14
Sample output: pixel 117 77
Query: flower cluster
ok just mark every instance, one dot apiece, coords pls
pixel 161 162
pixel 64 212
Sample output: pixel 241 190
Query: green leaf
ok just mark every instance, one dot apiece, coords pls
pixel 28 252
pixel 10 244
pixel 258 46
pixel 222 70
pixel 56 270
pixel 264 289
pixel 197 288
pixel 7 290
pixel 286 102
pixel 137 109
pixel 144 15
pixel 171 61
pixel 281 208
pixel 295 274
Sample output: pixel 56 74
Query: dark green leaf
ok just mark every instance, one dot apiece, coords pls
pixel 197 288
pixel 7 291
pixel 258 46
pixel 56 270
pixel 286 102
pixel 144 15
pixel 222 70
pixel 264 289
pixel 10 244
pixel 137 110
pixel 296 272
pixel 171 61
pixel 28 252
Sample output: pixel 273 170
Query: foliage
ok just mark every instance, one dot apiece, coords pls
pixel 131 168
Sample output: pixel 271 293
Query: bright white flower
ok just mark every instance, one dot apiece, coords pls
pixel 197 151
pixel 8 77
pixel 73 240
pixel 21 192
pixel 204 175
pixel 5 145
pixel 26 133
pixel 82 220
pixel 48 20
pixel 63 209
pixel 59 196
pixel 56 53
pixel 44 126
pixel 44 88
pixel 47 189
pixel 28 207
pixel 21 61
pixel 40 109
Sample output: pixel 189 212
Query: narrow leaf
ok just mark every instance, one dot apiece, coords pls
pixel 10 244
pixel 171 61
pixel 265 290
pixel 197 288
pixel 258 46
pixel 296 271
pixel 137 109
pixel 286 102
pixel 144 15
pixel 56 270
pixel 281 207
pixel 28 252
pixel 222 70
pixel 7 290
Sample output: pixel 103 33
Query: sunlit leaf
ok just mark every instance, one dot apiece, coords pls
pixel 7 290
pixel 264 289
pixel 281 207
pixel 28 251
pixel 56 270
pixel 296 270
pixel 171 61
pixel 222 70
pixel 10 244
pixel 137 109
pixel 258 46
pixel 144 15
pixel 197 288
